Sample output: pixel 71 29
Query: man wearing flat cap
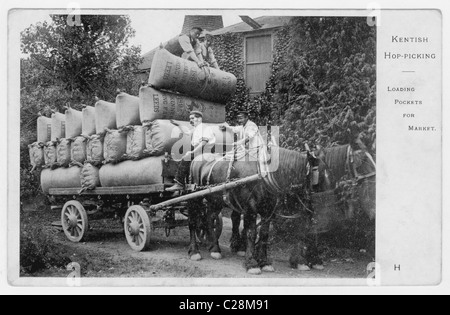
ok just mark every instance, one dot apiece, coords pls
pixel 248 135
pixel 202 138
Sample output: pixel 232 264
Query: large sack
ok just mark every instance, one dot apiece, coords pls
pixel 105 116
pixel 50 153
pixel 79 150
pixel 162 136
pixel 115 146
pixel 180 75
pixel 127 109
pixel 88 123
pixel 147 171
pixel 156 104
pixel 60 178
pixel 63 157
pixel 90 177
pixel 74 123
pixel 58 126
pixel 95 146
pixel 44 129
pixel 37 154
pixel 135 143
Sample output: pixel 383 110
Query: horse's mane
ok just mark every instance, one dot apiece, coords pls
pixel 336 159
pixel 292 168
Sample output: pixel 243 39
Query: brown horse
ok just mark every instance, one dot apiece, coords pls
pixel 250 200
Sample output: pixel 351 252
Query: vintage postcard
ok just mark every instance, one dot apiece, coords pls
pixel 212 147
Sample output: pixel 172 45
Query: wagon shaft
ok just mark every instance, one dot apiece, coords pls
pixel 206 192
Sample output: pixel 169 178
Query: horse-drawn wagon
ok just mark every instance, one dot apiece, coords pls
pixel 142 209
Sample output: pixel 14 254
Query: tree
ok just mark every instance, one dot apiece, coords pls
pixel 85 58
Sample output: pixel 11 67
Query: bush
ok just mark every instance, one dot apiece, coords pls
pixel 38 250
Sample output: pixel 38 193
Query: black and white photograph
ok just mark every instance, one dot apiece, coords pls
pixel 225 151
pixel 207 147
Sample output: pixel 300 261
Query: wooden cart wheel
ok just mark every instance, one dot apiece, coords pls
pixel 74 221
pixel 137 228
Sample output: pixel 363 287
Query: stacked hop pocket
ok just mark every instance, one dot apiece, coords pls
pixel 58 126
pixel 88 121
pixel 37 158
pixel 79 150
pixel 115 146
pixel 90 177
pixel 74 121
pixel 94 149
pixel 63 156
pixel 50 154
pixel 173 73
pixel 135 143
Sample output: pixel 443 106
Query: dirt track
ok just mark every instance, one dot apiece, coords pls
pixel 105 253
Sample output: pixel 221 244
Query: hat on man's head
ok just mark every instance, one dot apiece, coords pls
pixel 204 33
pixel 196 28
pixel 243 112
pixel 197 113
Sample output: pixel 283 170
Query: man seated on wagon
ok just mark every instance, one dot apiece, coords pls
pixel 203 140
pixel 187 46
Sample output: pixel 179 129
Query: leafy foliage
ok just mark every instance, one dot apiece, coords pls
pixel 87 58
pixel 38 250
pixel 326 90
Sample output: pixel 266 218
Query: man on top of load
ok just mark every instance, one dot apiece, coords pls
pixel 187 46
pixel 203 140
pixel 205 40
pixel 248 135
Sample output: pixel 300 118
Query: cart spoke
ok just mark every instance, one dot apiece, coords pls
pixel 80 226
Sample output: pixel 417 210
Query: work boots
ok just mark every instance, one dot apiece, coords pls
pixel 176 187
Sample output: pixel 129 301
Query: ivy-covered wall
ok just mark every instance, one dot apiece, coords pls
pixel 229 52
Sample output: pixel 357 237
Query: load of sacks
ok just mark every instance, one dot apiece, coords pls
pixel 123 143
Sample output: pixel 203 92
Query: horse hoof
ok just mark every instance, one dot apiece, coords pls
pixel 303 268
pixel 241 254
pixel 268 269
pixel 196 257
pixel 216 256
pixel 318 267
pixel 254 271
